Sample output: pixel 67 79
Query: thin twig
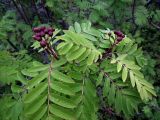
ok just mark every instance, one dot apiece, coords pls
pixel 19 11
pixel 46 9
pixel 24 12
pixel 16 49
pixel 35 7
pixel 133 11
pixel 154 25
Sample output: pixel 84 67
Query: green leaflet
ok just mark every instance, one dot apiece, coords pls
pixel 111 96
pixel 129 107
pixel 65 48
pixel 124 106
pixel 62 112
pixel 62 77
pixel 124 73
pixel 114 76
pixel 150 90
pixel 39 114
pixel 89 37
pixel 84 26
pixel 84 55
pixel 16 89
pixel 130 93
pixel 77 27
pixel 138 74
pixel 62 101
pixel 76 38
pixel 74 48
pixel 106 87
pixel 61 45
pixel 133 67
pixel 145 83
pixel 118 102
pixel 127 47
pixel 121 57
pixel 133 49
pixel 27 73
pixel 76 54
pixel 139 86
pixel 79 39
pixel 36 80
pixel 35 105
pixel 33 93
pixel 76 75
pixel 71 28
pixel 38 68
pixel 90 88
pixel 91 58
pixel 21 78
pixel 93 32
pixel 132 78
pixel 59 63
pixel 100 78
pixel 62 88
pixel 119 66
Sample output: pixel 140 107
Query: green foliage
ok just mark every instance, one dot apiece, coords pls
pixel 65 89
pixel 7 24
pixel 10 66
pixel 13 33
pixel 94 78
pixel 10 109
pixel 53 94
pixel 141 11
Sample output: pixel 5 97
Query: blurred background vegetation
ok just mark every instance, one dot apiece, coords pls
pixel 139 19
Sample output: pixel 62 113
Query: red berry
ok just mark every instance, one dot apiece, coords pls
pixel 50 33
pixel 122 35
pixel 43 43
pixel 51 29
pixel 46 31
pixel 36 29
pixel 34 37
pixel 42 33
pixel 119 39
pixel 42 28
pixel 38 34
pixel 118 33
pixel 37 38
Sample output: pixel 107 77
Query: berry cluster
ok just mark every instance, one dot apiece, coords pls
pixel 119 35
pixel 42 34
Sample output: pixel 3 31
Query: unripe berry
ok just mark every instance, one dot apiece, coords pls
pixel 43 43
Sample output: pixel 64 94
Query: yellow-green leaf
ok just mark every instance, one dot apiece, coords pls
pixel 124 73
pixel 119 66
